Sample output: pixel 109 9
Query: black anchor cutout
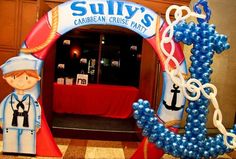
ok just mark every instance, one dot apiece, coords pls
pixel 173 107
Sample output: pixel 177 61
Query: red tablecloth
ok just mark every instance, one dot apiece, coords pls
pixel 95 99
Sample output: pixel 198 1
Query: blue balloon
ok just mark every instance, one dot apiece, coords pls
pixel 167 148
pixel 199 70
pixel 198 29
pixel 210 55
pixel 147 111
pixel 223 38
pixel 191 26
pixel 206 154
pixel 153 137
pixel 195 63
pixel 204 25
pixel 209 71
pixel 199 102
pixel 159 144
pixel 145 132
pixel 137 115
pixel 190 117
pixel 181 148
pixel 140 101
pixel 197 39
pixel 143 119
pixel 188 133
pixel 198 46
pixel 152 120
pixel 202 118
pixel 140 107
pixel 211 42
pixel 205 49
pixel 191 70
pixel 185 152
pixel 205 76
pixel 195 148
pixel 147 127
pixel 196 122
pixel 176 153
pixel 226 46
pixel 140 124
pixel 200 137
pixel 162 136
pixel 211 31
pixel 187 41
pixel 202 108
pixel 205 34
pixel 195 112
pixel 179 36
pixel 146 103
pixel 194 75
pixel 206 65
pixel 212 26
pixel 155 129
pixel 190 146
pixel 207 145
pixel 202 58
pixel 191 154
pixel 167 141
pixel 193 35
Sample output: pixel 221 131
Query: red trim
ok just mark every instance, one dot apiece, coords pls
pixel 178 54
pixel 45 144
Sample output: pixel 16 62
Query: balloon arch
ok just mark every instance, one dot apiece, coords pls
pixel 142 20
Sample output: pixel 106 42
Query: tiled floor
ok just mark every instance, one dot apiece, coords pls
pixel 95 149
pixel 88 149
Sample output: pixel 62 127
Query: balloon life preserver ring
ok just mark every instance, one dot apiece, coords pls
pixel 142 20
pixel 137 18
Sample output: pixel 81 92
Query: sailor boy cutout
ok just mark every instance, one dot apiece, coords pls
pixel 20 113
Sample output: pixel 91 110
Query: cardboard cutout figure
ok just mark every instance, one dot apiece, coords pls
pixel 20 113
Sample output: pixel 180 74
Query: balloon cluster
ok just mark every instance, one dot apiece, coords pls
pixel 194 143
pixel 205 42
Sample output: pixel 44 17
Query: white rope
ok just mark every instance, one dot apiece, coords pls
pixel 193 86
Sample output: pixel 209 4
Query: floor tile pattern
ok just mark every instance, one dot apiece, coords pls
pixel 96 149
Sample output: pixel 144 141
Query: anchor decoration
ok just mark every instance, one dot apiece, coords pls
pixel 194 144
pixel 173 107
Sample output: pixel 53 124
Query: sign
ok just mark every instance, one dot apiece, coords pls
pixel 107 12
pixel 82 79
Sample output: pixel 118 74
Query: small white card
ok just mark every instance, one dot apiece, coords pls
pixel 60 80
pixel 82 79
pixel 69 81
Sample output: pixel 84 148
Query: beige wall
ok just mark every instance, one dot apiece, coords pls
pixel 224 66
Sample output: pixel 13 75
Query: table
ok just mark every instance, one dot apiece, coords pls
pixel 95 99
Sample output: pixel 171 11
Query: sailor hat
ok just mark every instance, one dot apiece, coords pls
pixel 20 63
